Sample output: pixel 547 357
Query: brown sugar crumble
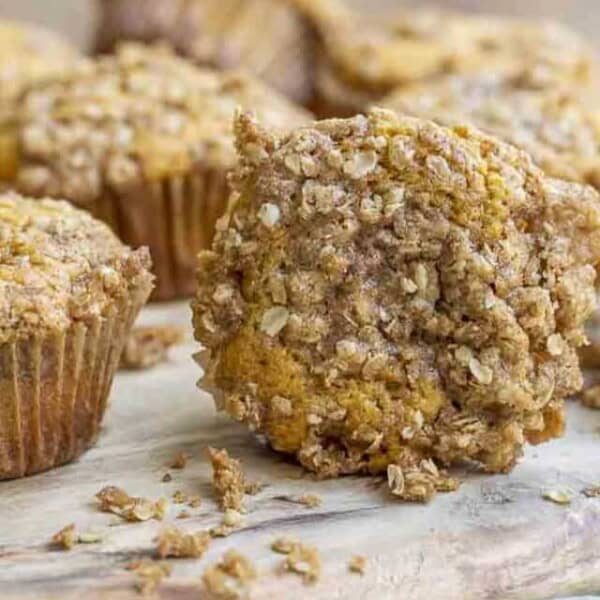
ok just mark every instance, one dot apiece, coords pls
pixel 174 543
pixel 357 564
pixel 310 500
pixel 180 461
pixel 231 577
pixel 232 520
pixel 590 397
pixel 229 480
pixel 283 545
pixel 194 501
pixel 557 496
pixel 147 347
pixel 150 573
pixel 167 477
pixel 119 502
pixel 179 497
pixel 184 514
pixel 66 538
pixel 385 291
pixel 303 560
pixel 592 491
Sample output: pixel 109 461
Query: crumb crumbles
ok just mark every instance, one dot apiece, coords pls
pixel 117 501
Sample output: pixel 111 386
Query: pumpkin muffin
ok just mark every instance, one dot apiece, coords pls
pixel 69 293
pixel 554 125
pixel 268 38
pixel 364 57
pixel 28 54
pixel 388 294
pixel 143 140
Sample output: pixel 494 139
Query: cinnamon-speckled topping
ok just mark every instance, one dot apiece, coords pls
pixel 366 56
pixel 559 131
pixel 58 265
pixel 143 113
pixel 385 292
pixel 30 54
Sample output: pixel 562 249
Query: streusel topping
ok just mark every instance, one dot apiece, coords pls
pixel 141 114
pixel 30 54
pixel 59 265
pixel 559 131
pixel 385 291
pixel 379 53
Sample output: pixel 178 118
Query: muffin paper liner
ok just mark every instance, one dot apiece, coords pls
pixel 175 218
pixel 54 389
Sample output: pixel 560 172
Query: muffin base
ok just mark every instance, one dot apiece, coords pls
pixel 174 217
pixel 54 390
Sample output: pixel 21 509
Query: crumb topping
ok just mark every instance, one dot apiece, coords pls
pixel 147 347
pixel 66 538
pixel 231 577
pixel 553 125
pixel 117 501
pixel 431 287
pixel 174 543
pixel 58 265
pixel 149 573
pixel 357 564
pixel 229 480
pixel 302 560
pixel 140 115
pixel 377 53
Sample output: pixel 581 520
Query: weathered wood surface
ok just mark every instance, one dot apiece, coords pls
pixel 494 538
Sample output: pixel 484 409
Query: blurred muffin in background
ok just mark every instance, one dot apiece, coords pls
pixel 552 124
pixel 143 140
pixel 268 38
pixel 69 293
pixel 28 54
pixel 364 57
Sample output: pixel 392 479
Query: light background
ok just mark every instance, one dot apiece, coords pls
pixel 75 18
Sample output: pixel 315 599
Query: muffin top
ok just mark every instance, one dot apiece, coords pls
pixel 142 114
pixel 58 265
pixel 29 54
pixel 553 124
pixel 381 52
pixel 385 291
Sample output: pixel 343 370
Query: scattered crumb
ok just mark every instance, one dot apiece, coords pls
pixel 180 460
pixel 117 501
pixel 66 538
pixel 305 561
pixel 231 577
pixel 90 537
pixel 253 488
pixel 166 478
pixel 590 397
pixel 147 347
pixel 173 542
pixel 184 514
pixel 179 497
pixel 592 491
pixel 420 483
pixel 150 574
pixel 310 500
pixel 283 545
pixel 229 480
pixel 557 496
pixel 194 501
pixel 357 564
pixel 232 520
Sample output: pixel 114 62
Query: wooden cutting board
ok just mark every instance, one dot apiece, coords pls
pixel 494 538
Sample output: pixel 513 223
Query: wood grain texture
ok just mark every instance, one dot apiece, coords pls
pixel 494 538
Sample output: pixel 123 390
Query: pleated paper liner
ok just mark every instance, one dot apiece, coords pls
pixel 175 218
pixel 54 390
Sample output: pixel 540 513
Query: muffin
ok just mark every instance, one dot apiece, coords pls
pixel 144 141
pixel 69 293
pixel 28 54
pixel 558 129
pixel 386 293
pixel 364 57
pixel 268 38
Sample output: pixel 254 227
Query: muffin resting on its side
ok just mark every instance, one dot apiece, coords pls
pixel 69 293
pixel 28 55
pixel 268 38
pixel 385 292
pixel 144 141
pixel 364 57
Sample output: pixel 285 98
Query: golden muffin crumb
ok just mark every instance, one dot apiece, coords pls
pixel 119 502
pixel 147 347
pixel 231 577
pixel 174 543
pixel 229 480
pixel 386 291
pixel 66 538
pixel 150 573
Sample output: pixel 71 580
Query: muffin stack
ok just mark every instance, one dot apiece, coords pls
pixel 393 292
